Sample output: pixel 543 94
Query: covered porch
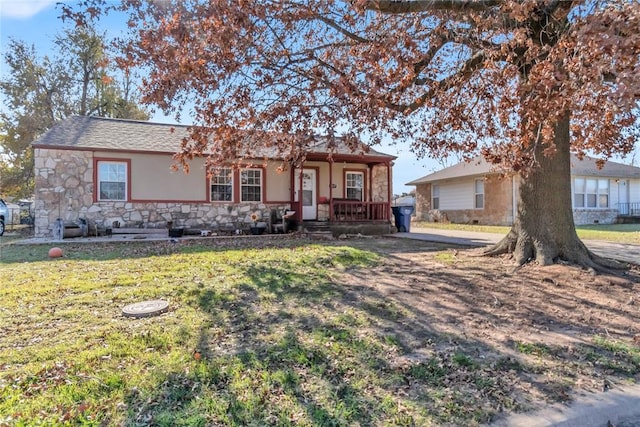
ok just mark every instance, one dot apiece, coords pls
pixel 628 213
pixel 343 188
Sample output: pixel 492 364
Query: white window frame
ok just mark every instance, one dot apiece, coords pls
pixel 348 184
pixel 101 178
pixel 222 177
pixel 435 196
pixel 478 195
pixel 253 181
pixel 591 193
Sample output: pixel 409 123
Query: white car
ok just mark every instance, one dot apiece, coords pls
pixel 4 215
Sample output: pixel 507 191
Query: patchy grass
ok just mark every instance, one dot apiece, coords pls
pixel 464 227
pixel 621 233
pixel 289 333
pixel 253 337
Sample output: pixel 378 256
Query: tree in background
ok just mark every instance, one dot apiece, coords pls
pixel 38 92
pixel 524 83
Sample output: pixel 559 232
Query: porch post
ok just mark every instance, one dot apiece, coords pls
pixel 300 192
pixel 292 190
pixel 369 196
pixel 389 190
pixel 331 189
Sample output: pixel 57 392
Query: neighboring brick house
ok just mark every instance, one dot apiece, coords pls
pixel 470 192
pixel 111 170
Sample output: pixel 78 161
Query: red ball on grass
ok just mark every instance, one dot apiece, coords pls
pixel 55 253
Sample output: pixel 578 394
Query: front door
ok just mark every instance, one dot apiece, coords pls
pixel 623 197
pixel 309 205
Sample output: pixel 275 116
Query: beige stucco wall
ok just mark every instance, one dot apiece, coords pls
pixel 155 180
pixel 278 186
pixel 338 176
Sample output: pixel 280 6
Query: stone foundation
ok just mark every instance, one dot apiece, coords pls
pixel 159 215
pixel 595 216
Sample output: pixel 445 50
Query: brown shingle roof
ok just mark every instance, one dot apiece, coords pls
pixel 98 133
pixel 478 166
pixel 475 167
pixel 113 134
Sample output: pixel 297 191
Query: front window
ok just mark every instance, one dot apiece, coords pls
pixel 112 180
pixel 479 194
pixel 590 193
pixel 251 185
pixel 354 185
pixel 435 197
pixel 222 185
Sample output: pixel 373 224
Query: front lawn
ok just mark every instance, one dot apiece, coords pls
pixel 361 332
pixel 621 233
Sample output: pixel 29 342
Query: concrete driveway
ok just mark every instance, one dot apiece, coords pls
pixel 621 251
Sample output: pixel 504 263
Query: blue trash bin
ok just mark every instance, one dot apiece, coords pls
pixel 402 215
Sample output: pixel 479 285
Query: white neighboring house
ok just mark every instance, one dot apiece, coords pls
pixel 473 193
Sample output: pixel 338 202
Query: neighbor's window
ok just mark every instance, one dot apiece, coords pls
pixel 354 185
pixel 479 190
pixel 112 180
pixel 222 185
pixel 435 196
pixel 251 185
pixel 590 193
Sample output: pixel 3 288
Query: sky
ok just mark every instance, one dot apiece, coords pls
pixel 36 22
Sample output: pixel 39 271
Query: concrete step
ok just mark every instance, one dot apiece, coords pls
pixel 139 231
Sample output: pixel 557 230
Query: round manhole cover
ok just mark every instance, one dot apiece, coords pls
pixel 146 308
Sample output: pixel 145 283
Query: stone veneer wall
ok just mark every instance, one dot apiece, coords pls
pixel 423 202
pixel 590 216
pixel 64 189
pixel 379 183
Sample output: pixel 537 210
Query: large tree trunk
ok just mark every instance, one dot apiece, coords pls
pixel 544 230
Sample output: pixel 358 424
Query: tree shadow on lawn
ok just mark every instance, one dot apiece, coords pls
pixel 418 345
pixel 135 249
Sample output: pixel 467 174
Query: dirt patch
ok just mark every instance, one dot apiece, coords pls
pixel 554 331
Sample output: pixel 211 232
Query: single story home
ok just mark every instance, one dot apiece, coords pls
pixel 113 171
pixel 471 192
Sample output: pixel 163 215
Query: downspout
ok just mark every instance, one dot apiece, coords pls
pixel 370 184
pixel 331 189
pixel 300 192
pixel 389 190
pixel 292 186
pixel 514 198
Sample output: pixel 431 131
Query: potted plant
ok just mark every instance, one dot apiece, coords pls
pixel 256 228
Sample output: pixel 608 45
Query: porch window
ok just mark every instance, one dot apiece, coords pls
pixel 112 180
pixel 590 193
pixel 222 185
pixel 479 194
pixel 251 185
pixel 354 185
pixel 435 196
